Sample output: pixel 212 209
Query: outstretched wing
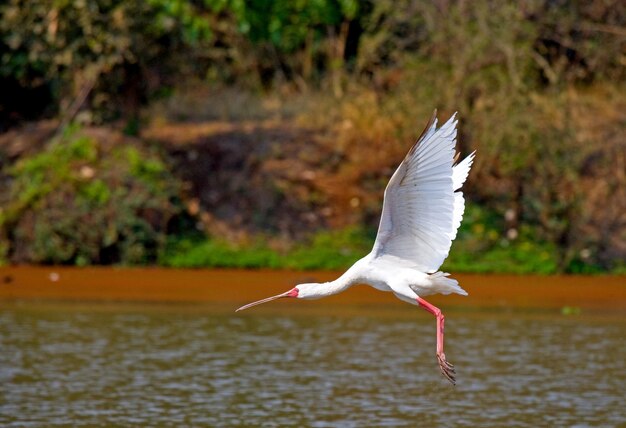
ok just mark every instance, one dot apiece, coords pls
pixel 422 211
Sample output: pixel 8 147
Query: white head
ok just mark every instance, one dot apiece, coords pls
pixel 301 291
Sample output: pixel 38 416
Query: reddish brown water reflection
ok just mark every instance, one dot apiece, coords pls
pixel 239 286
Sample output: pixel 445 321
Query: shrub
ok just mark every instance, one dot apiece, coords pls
pixel 81 201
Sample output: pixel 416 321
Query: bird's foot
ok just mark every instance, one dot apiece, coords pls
pixel 446 368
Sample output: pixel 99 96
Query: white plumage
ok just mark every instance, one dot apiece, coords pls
pixel 422 212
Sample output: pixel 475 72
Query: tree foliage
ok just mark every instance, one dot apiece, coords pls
pixel 109 50
pixel 124 51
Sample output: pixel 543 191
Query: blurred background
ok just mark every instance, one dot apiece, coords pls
pixel 262 133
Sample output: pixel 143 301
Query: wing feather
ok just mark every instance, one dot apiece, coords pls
pixel 421 210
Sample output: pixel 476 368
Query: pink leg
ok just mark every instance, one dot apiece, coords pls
pixel 447 369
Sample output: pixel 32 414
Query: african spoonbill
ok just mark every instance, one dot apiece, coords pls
pixel 422 211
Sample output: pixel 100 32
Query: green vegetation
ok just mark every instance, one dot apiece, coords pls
pixel 81 202
pixel 478 249
pixel 481 248
pixel 268 129
pixel 325 250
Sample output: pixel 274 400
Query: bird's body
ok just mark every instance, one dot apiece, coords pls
pixel 406 283
pixel 422 211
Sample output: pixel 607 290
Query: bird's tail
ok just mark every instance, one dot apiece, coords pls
pixel 444 285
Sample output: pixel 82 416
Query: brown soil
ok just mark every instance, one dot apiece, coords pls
pixel 237 173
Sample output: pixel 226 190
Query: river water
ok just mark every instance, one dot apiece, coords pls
pixel 122 364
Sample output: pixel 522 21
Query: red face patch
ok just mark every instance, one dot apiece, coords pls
pixel 293 292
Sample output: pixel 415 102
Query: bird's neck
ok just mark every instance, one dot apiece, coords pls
pixel 342 283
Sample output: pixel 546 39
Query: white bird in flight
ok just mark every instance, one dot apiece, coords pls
pixel 422 211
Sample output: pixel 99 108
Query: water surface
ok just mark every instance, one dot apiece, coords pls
pixel 119 364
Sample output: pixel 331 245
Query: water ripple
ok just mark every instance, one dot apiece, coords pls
pixel 70 365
